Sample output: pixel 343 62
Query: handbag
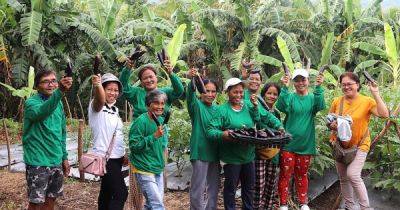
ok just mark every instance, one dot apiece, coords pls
pixel 342 155
pixel 95 164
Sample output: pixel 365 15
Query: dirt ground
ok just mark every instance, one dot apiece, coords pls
pixel 79 195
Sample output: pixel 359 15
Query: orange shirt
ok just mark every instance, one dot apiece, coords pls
pixel 360 111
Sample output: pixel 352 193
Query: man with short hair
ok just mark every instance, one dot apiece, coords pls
pixel 44 140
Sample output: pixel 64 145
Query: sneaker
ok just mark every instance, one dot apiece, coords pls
pixel 304 207
pixel 283 208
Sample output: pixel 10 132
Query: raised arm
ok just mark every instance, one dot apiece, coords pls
pixel 99 95
pixel 319 99
pixel 380 110
pixel 36 111
pixel 283 102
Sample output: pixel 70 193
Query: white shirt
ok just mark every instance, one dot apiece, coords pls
pixel 103 125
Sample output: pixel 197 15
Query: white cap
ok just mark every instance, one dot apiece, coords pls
pixel 232 82
pixel 300 72
pixel 108 77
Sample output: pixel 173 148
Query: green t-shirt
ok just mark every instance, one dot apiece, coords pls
pixel 227 118
pixel 299 122
pixel 136 95
pixel 201 147
pixel 44 131
pixel 146 151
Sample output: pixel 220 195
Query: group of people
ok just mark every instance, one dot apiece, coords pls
pixel 255 168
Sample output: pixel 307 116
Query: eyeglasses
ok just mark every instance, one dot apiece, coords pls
pixel 111 91
pixel 49 82
pixel 343 85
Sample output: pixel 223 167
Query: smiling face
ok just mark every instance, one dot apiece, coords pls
pixel 157 106
pixel 235 94
pixel 349 87
pixel 47 84
pixel 112 91
pixel 148 80
pixel 271 95
pixel 211 92
pixel 254 82
pixel 301 83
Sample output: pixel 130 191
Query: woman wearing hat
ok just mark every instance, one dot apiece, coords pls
pixel 105 123
pixel 300 108
pixel 238 158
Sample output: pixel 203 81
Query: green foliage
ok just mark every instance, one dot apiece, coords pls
pixel 285 53
pixel 31 24
pixel 179 136
pixel 174 46
pixel 14 129
pixel 23 92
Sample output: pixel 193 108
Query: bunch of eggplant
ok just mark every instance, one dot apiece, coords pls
pixel 137 53
pixel 197 81
pixel 96 64
pixel 265 137
pixel 68 70
pixel 162 56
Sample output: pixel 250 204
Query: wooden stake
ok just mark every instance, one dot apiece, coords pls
pixel 80 148
pixel 68 108
pixel 80 106
pixel 8 145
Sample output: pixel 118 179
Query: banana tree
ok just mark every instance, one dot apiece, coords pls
pixel 390 60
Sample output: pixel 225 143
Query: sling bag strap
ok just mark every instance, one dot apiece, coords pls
pixel 341 114
pixel 111 145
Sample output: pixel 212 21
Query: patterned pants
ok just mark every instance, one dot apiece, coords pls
pixel 289 163
pixel 265 192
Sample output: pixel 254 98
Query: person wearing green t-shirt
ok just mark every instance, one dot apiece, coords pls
pixel 300 108
pixel 44 140
pixel 147 75
pixel 147 142
pixel 238 158
pixel 203 151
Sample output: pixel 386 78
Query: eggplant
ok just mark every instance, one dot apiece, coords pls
pixel 199 84
pixel 160 58
pixel 322 69
pixel 193 84
pixel 285 69
pixel 262 102
pixel 68 70
pixel 154 117
pixel 164 54
pixel 270 132
pixel 368 77
pixel 167 116
pixel 96 64
pixel 137 54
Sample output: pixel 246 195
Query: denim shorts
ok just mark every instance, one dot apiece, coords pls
pixel 44 182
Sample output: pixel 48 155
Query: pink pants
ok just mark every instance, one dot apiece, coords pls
pixel 350 179
pixel 298 164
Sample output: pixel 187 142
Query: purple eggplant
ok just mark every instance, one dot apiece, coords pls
pixel 285 69
pixel 68 70
pixel 167 116
pixel 96 64
pixel 137 54
pixel 322 69
pixel 368 77
pixel 154 117
pixel 262 102
pixel 199 84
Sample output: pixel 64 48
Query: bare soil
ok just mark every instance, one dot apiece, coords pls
pixel 83 195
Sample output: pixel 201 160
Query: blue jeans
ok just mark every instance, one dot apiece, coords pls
pixel 152 187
